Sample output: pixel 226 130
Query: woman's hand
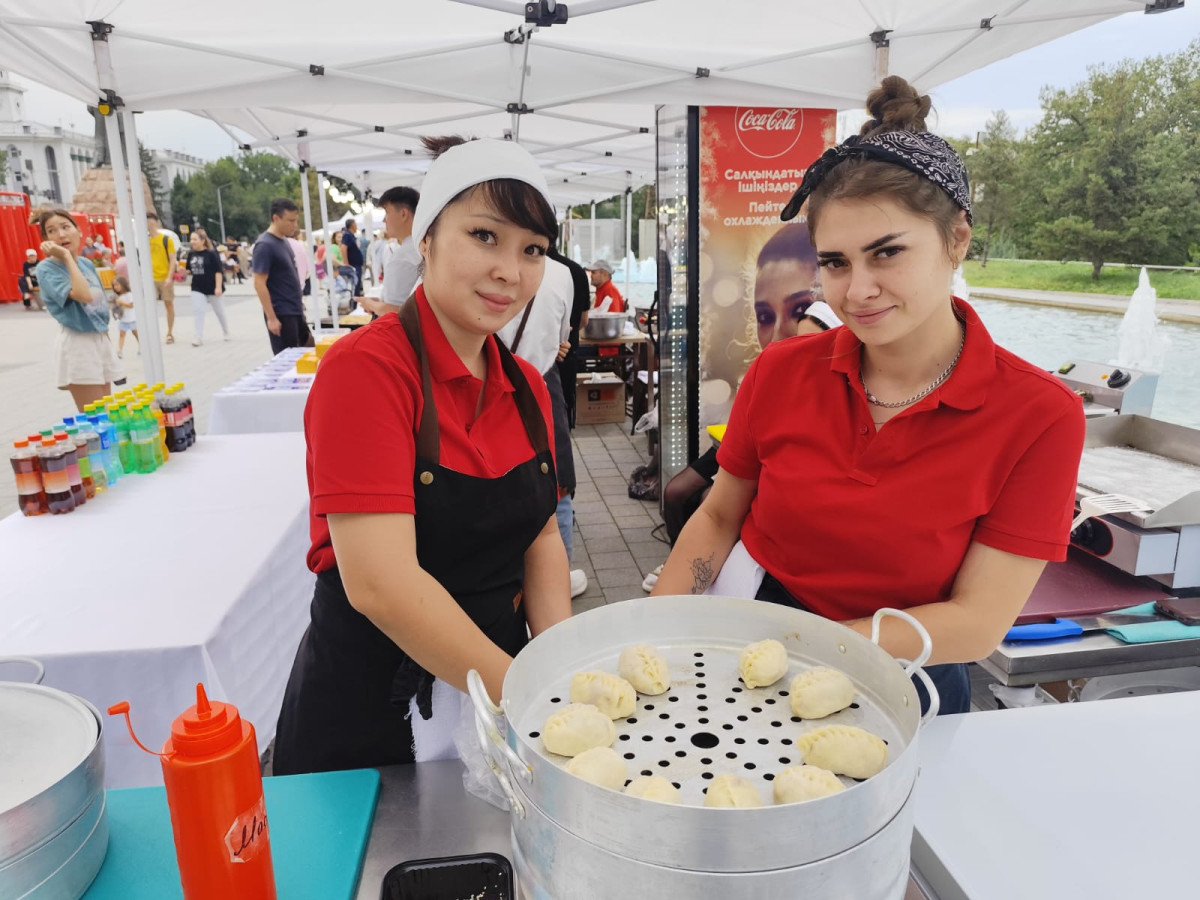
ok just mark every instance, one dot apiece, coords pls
pixel 55 251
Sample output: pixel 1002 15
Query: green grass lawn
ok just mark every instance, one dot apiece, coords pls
pixel 1054 276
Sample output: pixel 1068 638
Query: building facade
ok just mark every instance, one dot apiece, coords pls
pixel 43 161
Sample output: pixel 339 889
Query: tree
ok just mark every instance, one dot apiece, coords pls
pixel 3 166
pixel 248 183
pixel 150 170
pixel 1113 172
pixel 994 171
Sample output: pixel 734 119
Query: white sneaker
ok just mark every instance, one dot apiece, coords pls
pixel 197 342
pixel 651 580
pixel 579 582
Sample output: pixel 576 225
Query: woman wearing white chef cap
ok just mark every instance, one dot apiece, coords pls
pixel 432 483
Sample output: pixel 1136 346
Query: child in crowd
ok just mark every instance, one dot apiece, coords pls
pixel 122 307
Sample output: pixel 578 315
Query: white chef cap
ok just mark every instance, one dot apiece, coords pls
pixel 467 165
pixel 823 313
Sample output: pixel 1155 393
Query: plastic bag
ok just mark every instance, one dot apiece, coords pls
pixel 644 483
pixel 648 420
pixel 478 778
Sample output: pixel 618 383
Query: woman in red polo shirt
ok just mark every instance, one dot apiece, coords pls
pixel 432 484
pixel 904 460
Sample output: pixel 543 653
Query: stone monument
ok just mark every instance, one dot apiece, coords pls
pixel 96 191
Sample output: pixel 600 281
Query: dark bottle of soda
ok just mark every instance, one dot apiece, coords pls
pixel 72 461
pixel 30 496
pixel 55 480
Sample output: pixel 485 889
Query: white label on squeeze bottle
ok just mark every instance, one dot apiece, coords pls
pixel 248 834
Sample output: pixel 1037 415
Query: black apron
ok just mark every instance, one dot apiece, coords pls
pixel 347 700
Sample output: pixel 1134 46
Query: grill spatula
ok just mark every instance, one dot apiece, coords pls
pixel 1104 504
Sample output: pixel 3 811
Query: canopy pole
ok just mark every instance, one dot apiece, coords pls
pixel 143 302
pixel 308 236
pixel 628 232
pixel 592 258
pixel 147 326
pixel 324 231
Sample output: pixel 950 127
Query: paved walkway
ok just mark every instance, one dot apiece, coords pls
pixel 614 543
pixel 1187 311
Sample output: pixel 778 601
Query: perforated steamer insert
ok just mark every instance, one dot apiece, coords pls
pixel 709 723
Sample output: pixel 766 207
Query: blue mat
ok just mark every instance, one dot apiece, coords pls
pixel 319 829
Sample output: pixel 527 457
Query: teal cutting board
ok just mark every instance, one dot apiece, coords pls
pixel 319 829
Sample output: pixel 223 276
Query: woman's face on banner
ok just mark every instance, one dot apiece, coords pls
pixel 783 290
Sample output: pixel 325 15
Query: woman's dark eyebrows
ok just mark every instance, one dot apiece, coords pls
pixel 879 242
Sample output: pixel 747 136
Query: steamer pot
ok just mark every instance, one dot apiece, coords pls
pixel 706 723
pixel 53 828
pixel 603 326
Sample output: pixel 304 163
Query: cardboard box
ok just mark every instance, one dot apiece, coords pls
pixel 599 399
pixel 307 364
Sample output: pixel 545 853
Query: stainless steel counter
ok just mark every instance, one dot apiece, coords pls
pixel 424 811
pixel 1018 665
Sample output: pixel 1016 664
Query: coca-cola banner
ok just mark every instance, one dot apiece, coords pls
pixel 756 273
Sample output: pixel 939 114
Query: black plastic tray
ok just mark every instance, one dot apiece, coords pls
pixel 479 876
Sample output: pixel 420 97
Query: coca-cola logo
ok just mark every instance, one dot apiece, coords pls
pixel 767 132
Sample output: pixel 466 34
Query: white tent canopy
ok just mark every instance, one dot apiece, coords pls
pixel 351 92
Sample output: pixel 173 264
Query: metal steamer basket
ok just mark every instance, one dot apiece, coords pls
pixel 573 839
pixel 53 826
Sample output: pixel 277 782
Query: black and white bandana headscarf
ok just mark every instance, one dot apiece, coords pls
pixel 924 153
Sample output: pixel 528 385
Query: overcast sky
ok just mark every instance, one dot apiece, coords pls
pixel 963 105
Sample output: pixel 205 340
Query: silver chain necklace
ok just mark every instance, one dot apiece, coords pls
pixel 933 386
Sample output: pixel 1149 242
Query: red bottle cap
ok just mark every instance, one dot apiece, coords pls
pixel 206 728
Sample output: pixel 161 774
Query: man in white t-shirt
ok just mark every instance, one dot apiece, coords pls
pixel 398 261
pixel 539 336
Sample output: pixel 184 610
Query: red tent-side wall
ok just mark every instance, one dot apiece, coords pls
pixel 16 236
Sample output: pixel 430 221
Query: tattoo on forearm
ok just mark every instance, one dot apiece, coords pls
pixel 702 574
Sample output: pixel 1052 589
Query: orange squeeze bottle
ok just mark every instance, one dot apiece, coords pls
pixel 215 794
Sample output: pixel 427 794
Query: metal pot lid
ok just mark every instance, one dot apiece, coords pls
pixel 47 733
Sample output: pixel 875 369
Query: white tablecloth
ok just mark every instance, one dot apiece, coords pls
pixel 1074 800
pixel 193 573
pixel 269 399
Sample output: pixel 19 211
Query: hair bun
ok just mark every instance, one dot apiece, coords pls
pixel 895 106
pixel 436 146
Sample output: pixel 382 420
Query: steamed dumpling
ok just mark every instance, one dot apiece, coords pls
pixel 763 663
pixel 800 783
pixel 819 692
pixel 653 787
pixel 611 695
pixel 600 765
pixel 844 750
pixel 644 667
pixel 730 790
pixel 577 727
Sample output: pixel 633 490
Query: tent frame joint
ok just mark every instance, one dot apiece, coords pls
pixel 986 24
pixel 880 38
pixel 518 109
pixel 315 70
pixel 702 72
pixel 100 29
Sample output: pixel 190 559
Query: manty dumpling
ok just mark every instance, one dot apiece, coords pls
pixel 644 667
pixel 653 787
pixel 844 750
pixel 600 765
pixel 730 790
pixel 819 692
pixel 763 663
pixel 577 727
pixel 800 783
pixel 611 695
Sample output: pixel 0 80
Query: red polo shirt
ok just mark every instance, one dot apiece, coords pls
pixel 608 289
pixel 849 519
pixel 361 420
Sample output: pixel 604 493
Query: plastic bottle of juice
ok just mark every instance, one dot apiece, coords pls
pixel 31 497
pixel 95 450
pixel 55 480
pixel 112 463
pixel 72 462
pixel 83 460
pixel 150 422
pixel 142 442
pixel 120 423
pixel 155 410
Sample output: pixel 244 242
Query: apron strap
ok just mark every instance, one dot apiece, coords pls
pixel 521 328
pixel 428 444
pixel 527 405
